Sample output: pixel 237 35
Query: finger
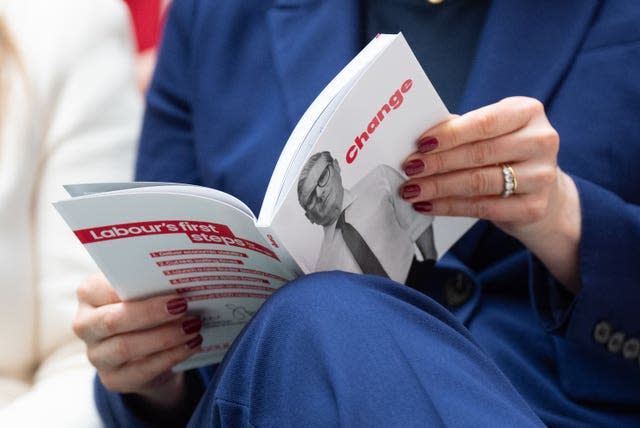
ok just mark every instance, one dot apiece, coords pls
pixel 118 350
pixel 96 324
pixel 487 122
pixel 520 145
pixel 516 209
pixel 137 374
pixel 96 291
pixel 486 181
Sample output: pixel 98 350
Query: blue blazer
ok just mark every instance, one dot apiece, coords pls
pixel 233 78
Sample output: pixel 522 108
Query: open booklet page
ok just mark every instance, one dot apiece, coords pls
pixel 344 198
pixel 162 239
pixel 313 121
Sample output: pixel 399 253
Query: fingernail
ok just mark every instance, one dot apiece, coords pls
pixel 192 326
pixel 177 306
pixel 414 167
pixel 427 144
pixel 423 206
pixel 195 342
pixel 410 191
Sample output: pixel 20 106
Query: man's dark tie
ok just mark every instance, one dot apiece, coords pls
pixel 363 255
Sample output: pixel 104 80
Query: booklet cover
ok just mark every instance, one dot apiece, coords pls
pixel 332 203
pixel 347 180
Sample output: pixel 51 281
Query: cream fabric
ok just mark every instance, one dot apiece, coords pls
pixel 72 115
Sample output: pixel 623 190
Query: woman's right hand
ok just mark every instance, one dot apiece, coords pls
pixel 134 344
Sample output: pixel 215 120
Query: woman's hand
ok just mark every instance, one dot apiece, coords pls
pixel 458 171
pixel 133 345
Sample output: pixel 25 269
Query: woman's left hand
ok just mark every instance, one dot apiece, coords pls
pixel 458 171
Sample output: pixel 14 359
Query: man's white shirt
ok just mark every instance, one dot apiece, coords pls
pixel 387 223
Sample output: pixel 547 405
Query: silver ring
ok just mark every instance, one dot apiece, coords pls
pixel 510 181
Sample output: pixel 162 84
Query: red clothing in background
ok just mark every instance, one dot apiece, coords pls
pixel 147 22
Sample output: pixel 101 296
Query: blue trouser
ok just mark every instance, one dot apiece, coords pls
pixel 339 349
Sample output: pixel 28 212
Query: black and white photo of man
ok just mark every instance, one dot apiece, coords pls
pixel 368 228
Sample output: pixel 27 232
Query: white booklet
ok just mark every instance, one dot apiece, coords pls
pixel 332 203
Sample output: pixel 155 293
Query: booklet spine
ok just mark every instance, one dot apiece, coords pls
pixel 289 263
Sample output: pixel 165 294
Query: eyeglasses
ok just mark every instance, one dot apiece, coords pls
pixel 313 198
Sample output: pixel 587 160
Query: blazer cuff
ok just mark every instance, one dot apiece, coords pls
pixel 602 315
pixel 128 410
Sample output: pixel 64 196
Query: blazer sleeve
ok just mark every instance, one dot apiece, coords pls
pixel 597 108
pixel 128 411
pixel 166 151
pixel 602 315
pixel 91 113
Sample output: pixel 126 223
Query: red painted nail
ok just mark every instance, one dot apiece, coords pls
pixel 177 306
pixel 423 206
pixel 413 167
pixel 192 326
pixel 195 342
pixel 427 144
pixel 410 191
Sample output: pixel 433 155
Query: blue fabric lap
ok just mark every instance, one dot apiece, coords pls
pixel 339 349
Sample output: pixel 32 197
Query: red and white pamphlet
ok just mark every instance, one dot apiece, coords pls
pixel 340 170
